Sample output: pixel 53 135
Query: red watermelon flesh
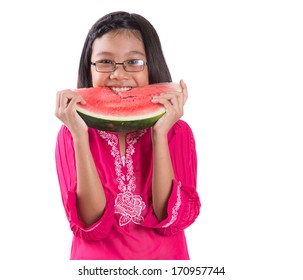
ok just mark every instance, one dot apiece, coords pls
pixel 126 111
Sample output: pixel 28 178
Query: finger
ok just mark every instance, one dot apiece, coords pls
pixel 65 97
pixel 171 106
pixel 175 98
pixel 170 95
pixel 73 101
pixel 166 103
pixel 60 104
pixel 184 90
pixel 57 103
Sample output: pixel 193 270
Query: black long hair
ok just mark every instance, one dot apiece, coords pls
pixel 158 71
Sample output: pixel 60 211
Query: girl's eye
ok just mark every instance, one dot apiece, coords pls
pixel 106 61
pixel 134 62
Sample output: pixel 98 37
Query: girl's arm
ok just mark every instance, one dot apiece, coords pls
pixel 163 173
pixel 163 176
pixel 91 199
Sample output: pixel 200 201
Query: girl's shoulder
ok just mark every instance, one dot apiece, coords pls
pixel 180 129
pixel 64 133
pixel 181 126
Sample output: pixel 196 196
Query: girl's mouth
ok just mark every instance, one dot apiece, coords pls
pixel 119 90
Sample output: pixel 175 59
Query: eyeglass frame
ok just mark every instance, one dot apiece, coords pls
pixel 114 63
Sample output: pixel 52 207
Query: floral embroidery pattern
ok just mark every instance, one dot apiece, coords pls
pixel 176 207
pixel 128 205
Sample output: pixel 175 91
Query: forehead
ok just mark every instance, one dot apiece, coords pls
pixel 118 41
pixel 125 32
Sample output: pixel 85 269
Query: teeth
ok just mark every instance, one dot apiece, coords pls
pixel 120 89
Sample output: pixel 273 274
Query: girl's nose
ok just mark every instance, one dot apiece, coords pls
pixel 119 73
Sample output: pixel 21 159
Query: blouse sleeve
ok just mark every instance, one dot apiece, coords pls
pixel 184 203
pixel 66 170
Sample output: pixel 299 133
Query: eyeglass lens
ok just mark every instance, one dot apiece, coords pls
pixel 133 65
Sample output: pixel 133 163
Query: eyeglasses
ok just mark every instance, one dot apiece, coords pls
pixel 107 66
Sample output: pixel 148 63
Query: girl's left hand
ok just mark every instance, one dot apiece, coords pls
pixel 174 103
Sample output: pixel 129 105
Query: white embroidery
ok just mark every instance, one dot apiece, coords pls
pixel 112 140
pixel 130 207
pixel 127 204
pixel 176 207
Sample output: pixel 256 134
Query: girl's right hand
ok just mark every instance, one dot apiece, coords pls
pixel 66 111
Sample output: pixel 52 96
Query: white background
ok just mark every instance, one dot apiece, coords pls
pixel 243 64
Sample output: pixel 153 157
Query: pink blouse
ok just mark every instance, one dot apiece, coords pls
pixel 128 228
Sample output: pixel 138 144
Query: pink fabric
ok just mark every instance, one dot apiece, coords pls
pixel 128 228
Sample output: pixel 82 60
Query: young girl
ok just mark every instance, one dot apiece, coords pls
pixel 126 195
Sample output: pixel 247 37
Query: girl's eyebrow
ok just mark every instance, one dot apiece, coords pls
pixel 112 54
pixel 104 53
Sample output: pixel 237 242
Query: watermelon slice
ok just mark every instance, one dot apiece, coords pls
pixel 126 111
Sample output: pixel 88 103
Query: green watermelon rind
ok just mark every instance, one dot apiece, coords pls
pixel 120 125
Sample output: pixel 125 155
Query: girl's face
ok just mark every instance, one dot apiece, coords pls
pixel 119 46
